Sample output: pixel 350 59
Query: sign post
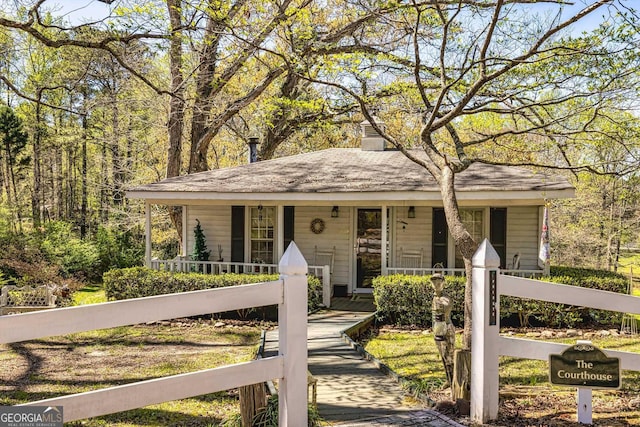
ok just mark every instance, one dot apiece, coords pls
pixel 586 367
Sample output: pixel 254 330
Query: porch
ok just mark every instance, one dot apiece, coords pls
pixel 182 264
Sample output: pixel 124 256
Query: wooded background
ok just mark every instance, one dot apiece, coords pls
pixel 147 90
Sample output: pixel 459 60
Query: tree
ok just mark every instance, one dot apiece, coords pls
pixel 14 142
pixel 455 64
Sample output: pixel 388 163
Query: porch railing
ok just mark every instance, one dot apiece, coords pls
pixel 457 272
pixel 185 265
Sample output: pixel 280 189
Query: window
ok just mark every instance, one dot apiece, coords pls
pixel 473 220
pixel 262 234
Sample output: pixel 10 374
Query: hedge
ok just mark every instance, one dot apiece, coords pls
pixel 406 300
pixel 562 315
pixel 140 282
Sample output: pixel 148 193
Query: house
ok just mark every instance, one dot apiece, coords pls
pixel 365 211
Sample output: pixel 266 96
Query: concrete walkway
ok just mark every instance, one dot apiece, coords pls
pixel 351 390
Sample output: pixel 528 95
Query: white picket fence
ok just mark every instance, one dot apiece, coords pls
pixel 289 366
pixel 486 343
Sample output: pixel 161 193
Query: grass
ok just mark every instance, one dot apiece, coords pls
pixel 92 294
pixel 415 356
pixel 97 359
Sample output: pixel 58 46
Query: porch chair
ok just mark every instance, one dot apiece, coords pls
pixel 516 261
pixel 325 257
pixel 411 259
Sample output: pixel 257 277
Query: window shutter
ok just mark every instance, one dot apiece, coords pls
pixel 498 233
pixel 237 233
pixel 439 249
pixel 289 220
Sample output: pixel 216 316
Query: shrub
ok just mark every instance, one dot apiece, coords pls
pixel 75 257
pixel 562 315
pixel 406 300
pixel 118 249
pixel 140 282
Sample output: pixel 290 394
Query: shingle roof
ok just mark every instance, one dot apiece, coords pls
pixel 344 170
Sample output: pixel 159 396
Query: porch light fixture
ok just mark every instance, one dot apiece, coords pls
pixel 334 212
pixel 412 212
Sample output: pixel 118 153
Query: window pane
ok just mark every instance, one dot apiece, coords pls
pixel 262 234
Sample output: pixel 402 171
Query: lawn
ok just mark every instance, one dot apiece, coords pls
pixel 526 395
pixel 87 361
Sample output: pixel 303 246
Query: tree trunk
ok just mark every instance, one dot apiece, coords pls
pixel 467 247
pixel 461 385
pixel 36 210
pixel 463 241
pixel 84 196
pixel 252 399
pixel 116 155
pixel 175 124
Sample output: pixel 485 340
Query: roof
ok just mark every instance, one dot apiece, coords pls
pixel 343 171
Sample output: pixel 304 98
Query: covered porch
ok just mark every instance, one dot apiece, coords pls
pixel 347 245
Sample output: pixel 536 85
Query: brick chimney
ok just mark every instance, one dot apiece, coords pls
pixel 371 139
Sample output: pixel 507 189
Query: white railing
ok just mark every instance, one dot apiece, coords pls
pixel 456 271
pixel 184 265
pixel 487 344
pixel 289 366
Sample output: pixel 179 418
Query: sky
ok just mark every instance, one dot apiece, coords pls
pixel 79 11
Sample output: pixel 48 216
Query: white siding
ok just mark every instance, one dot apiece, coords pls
pixel 336 233
pixel 415 235
pixel 523 235
pixel 216 226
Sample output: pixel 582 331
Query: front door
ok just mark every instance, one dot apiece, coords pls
pixel 368 248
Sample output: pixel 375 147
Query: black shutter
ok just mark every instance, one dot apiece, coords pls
pixel 439 250
pixel 289 220
pixel 237 233
pixel 498 233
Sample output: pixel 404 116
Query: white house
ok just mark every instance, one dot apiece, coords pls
pixel 366 211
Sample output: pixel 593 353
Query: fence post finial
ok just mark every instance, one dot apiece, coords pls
pixel 292 262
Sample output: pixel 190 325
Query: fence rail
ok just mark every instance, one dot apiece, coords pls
pixel 290 366
pixel 486 343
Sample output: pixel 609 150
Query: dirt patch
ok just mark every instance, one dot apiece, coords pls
pixel 549 407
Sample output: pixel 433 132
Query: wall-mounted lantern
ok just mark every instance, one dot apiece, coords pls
pixel 335 212
pixel 412 212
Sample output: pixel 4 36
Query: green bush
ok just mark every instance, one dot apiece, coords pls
pixel 118 249
pixel 140 282
pixel 562 315
pixel 75 257
pixel 406 300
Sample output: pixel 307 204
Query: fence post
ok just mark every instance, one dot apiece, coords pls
pixel 326 285
pixel 484 334
pixel 292 335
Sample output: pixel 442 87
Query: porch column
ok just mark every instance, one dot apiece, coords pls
pixel 383 255
pixel 280 231
pixel 147 234
pixel 184 231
